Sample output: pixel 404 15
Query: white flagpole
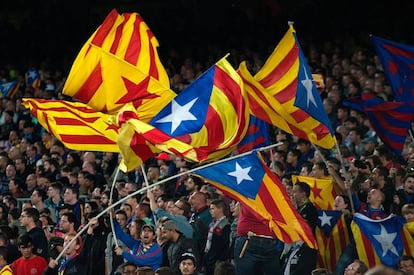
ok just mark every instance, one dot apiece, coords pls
pixel 154 184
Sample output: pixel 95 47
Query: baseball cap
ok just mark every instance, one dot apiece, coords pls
pixel 148 225
pixel 188 256
pixel 65 206
pixel 163 156
pixel 170 225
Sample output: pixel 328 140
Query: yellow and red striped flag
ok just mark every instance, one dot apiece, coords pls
pixel 248 180
pixel 77 125
pixel 332 237
pixel 323 191
pixel 120 64
pixel 283 94
pixel 204 122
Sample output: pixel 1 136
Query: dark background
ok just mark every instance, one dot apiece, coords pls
pixel 53 31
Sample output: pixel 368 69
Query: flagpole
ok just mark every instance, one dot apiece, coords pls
pixel 110 207
pixel 111 218
pixel 345 176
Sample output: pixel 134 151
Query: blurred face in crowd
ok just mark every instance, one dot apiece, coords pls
pixel 26 251
pixel 409 185
pixel 121 219
pixel 340 204
pixel 187 267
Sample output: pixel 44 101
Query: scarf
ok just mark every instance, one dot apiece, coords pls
pixel 222 222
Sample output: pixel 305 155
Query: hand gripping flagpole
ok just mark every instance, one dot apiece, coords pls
pixel 110 207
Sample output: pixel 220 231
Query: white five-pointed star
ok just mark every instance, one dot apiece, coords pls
pixel 385 239
pixel 32 74
pixel 308 84
pixel 7 86
pixel 325 219
pixel 179 114
pixel 241 173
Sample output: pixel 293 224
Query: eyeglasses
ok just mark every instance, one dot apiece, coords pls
pixel 178 207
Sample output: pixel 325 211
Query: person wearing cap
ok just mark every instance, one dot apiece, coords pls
pixel 143 252
pixel 163 159
pixel 369 145
pixel 179 244
pixel 188 264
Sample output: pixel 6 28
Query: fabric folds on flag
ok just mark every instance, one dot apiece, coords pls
pixel 381 241
pixel 204 122
pixel 77 125
pixel 257 135
pixel 284 88
pixel 9 89
pixel 120 64
pixel 323 191
pixel 248 180
pixel 390 120
pixel 33 78
pixel 332 237
pixel 398 62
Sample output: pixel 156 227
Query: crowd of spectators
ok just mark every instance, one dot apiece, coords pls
pixel 184 226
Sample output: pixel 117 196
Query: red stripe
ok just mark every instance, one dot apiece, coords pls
pixel 105 28
pixel 91 85
pixel 140 148
pixel 118 34
pixel 232 90
pixel 369 250
pixel 62 121
pixel 49 128
pixel 89 139
pixel 134 47
pixel 215 129
pixel 272 208
pixel 398 51
pixel 299 115
pixel 153 69
pixel 279 71
pixel 288 93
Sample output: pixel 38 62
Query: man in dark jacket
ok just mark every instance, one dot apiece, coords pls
pixel 179 245
pixel 301 259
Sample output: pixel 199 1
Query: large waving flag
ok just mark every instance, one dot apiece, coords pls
pixel 33 78
pixel 323 191
pixel 381 241
pixel 77 125
pixel 257 135
pixel 398 62
pixel 390 120
pixel 204 122
pixel 284 94
pixel 332 237
pixel 9 89
pixel 119 64
pixel 248 180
